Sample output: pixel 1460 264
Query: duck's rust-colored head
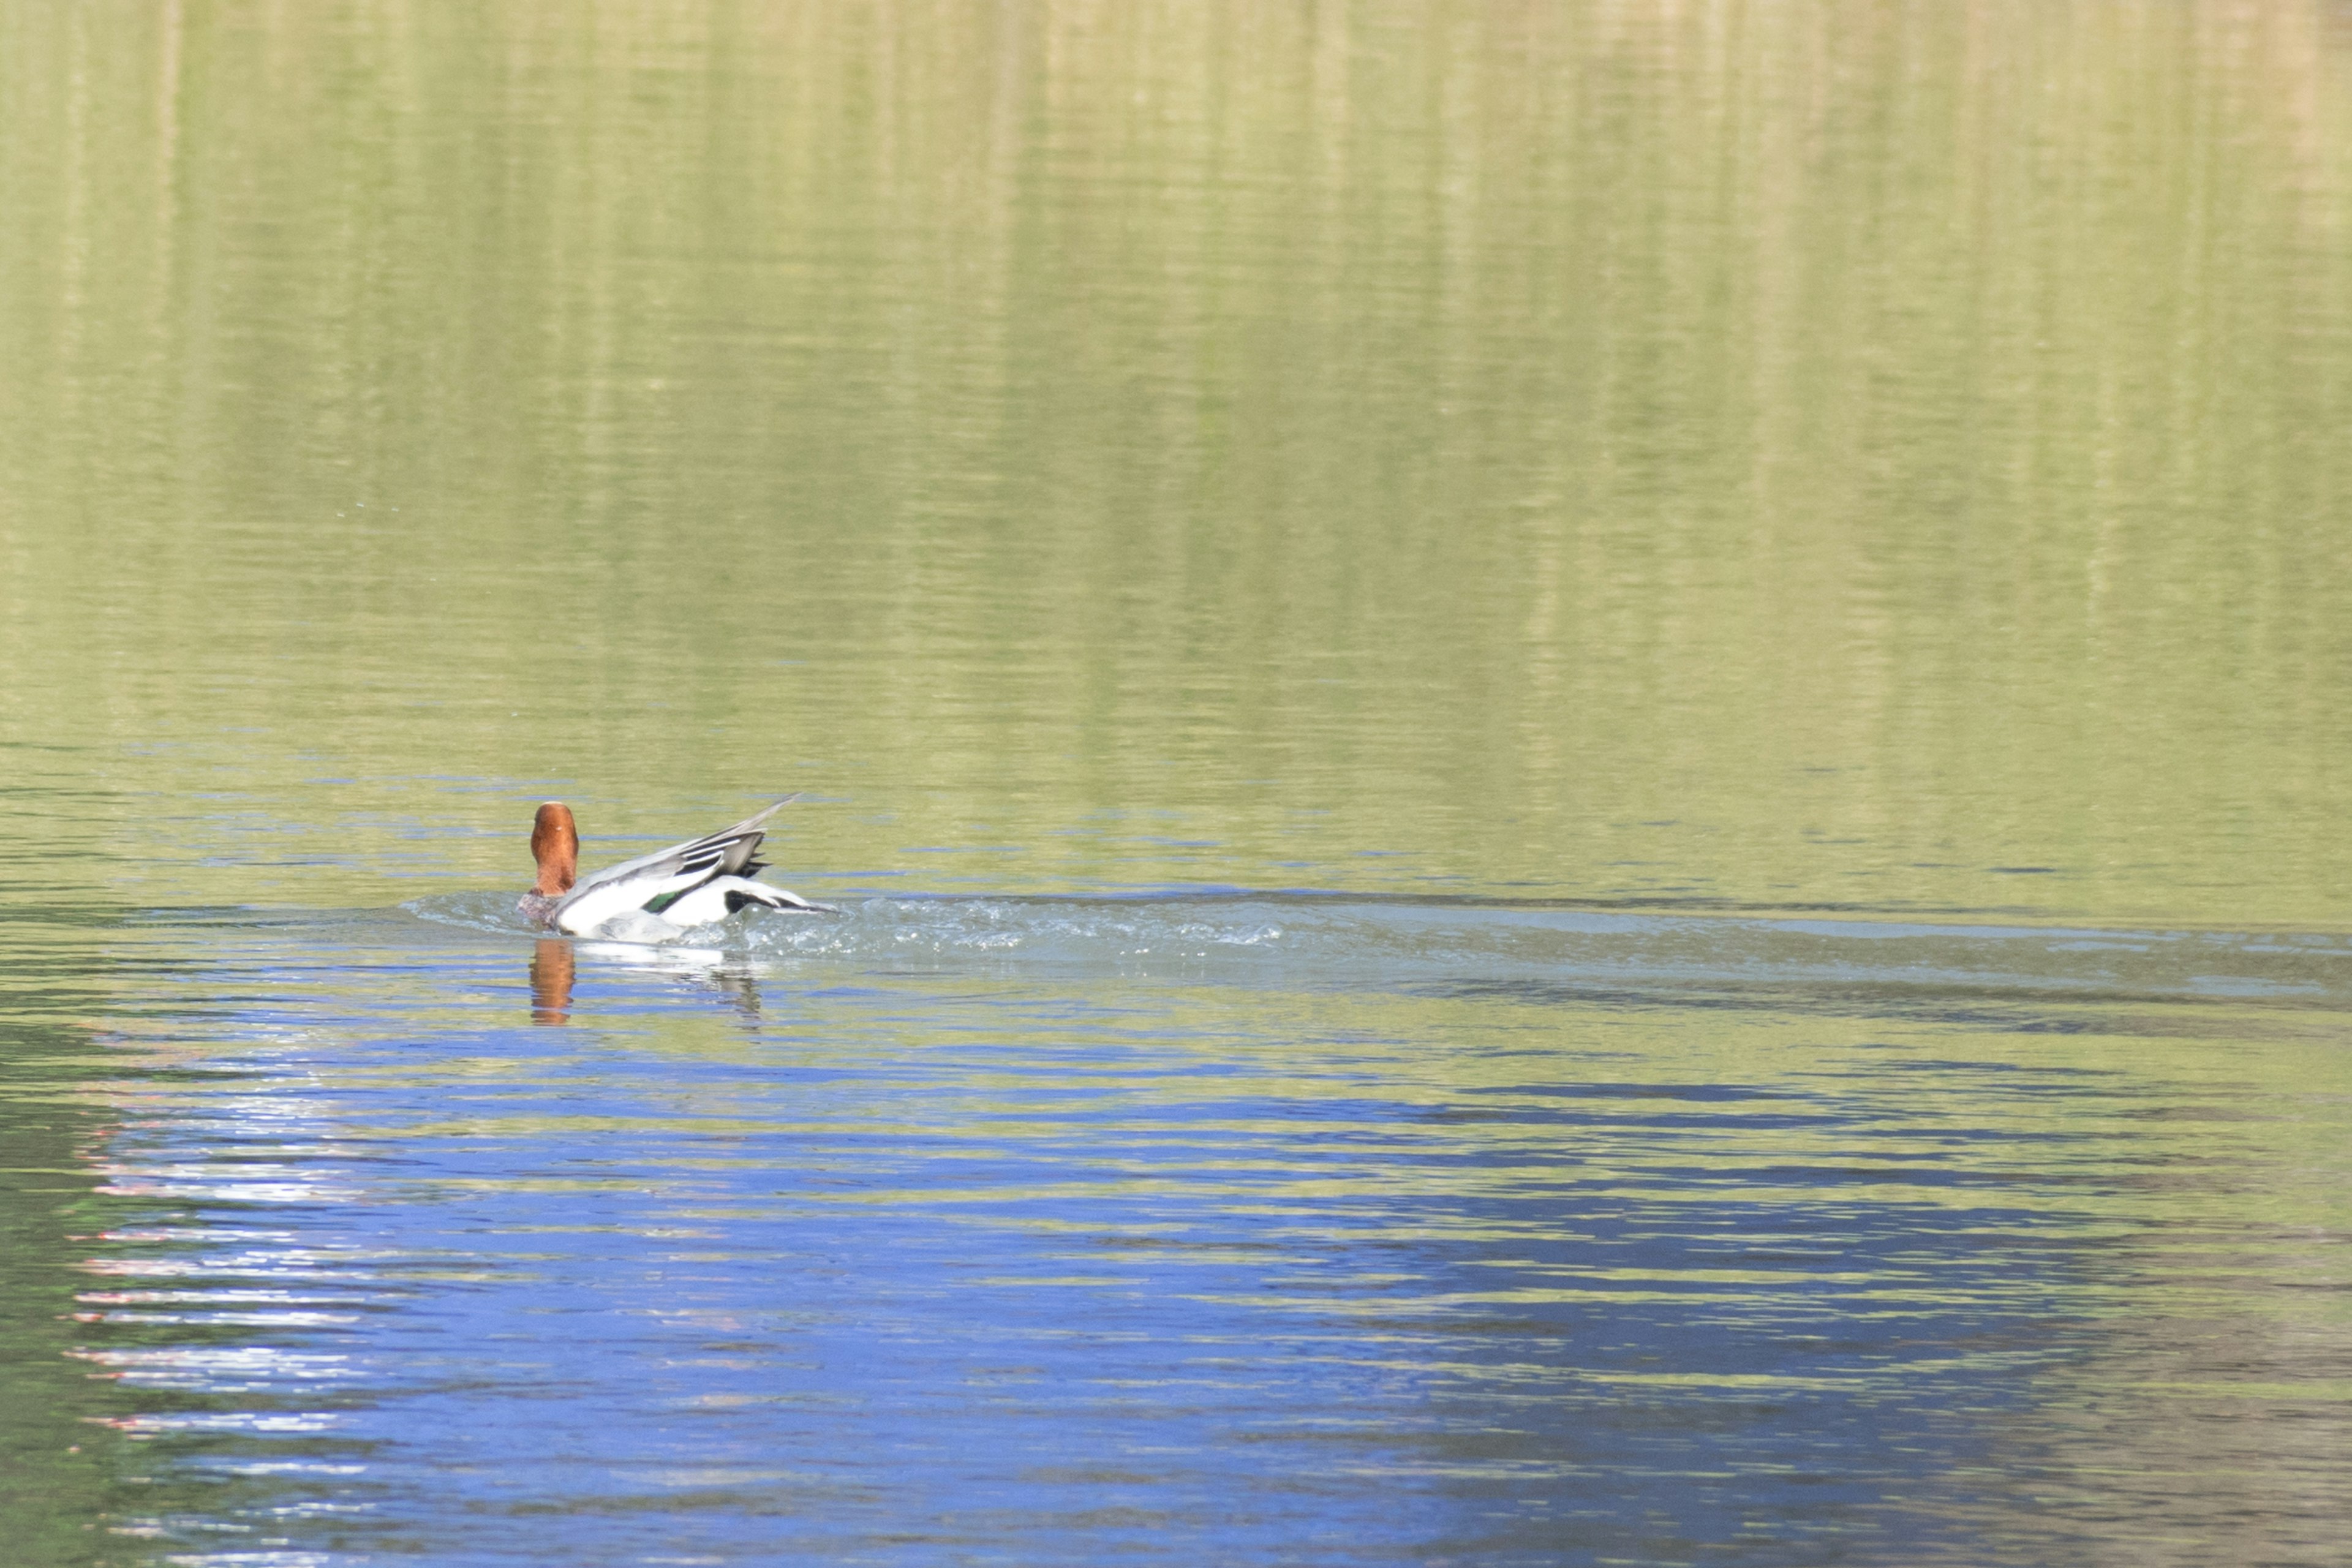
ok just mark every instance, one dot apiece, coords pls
pixel 555 845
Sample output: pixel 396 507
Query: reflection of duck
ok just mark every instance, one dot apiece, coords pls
pixel 654 896
pixel 554 966
pixel 550 982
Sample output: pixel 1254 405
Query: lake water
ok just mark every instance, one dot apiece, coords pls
pixel 1585 766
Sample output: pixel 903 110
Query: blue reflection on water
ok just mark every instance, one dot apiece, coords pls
pixel 761 1257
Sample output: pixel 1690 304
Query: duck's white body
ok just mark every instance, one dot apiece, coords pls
pixel 657 897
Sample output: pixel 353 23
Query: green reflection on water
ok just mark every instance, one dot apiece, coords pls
pixel 60 1466
pixel 1853 456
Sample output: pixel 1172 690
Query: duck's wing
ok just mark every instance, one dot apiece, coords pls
pixel 727 851
pixel 665 873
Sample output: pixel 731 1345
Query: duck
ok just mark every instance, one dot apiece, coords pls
pixel 654 896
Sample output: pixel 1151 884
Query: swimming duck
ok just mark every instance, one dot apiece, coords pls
pixel 657 896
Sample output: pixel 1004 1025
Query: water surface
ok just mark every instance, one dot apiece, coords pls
pixel 1584 762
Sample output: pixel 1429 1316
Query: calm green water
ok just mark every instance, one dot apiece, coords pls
pixel 1586 763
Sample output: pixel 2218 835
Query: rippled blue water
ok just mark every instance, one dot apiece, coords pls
pixel 1192 1227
